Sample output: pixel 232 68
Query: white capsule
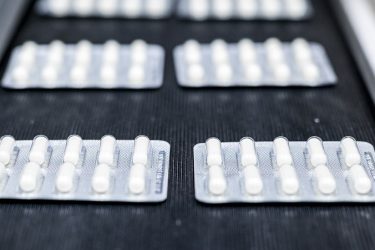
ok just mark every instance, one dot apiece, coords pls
pixel 59 8
pixel 199 9
pixel 101 180
pixel 282 73
pixel 360 181
pixel 350 152
pixel 65 177
pixel 83 52
pixel 21 75
pixel 274 50
pixel 111 52
pixel 137 179
pixel 73 150
pixel 310 72
pixel 282 152
pixel 7 144
pixel 107 7
pixel 192 52
pixel 108 74
pixel 141 150
pixel 253 180
pixel 78 75
pixel 248 152
pixel 214 153
pixel 296 8
pixel 136 74
pixel 138 51
pixel 3 173
pixel 38 151
pixel 253 72
pixel 156 8
pixel 107 150
pixel 217 183
pixel 326 182
pixel 224 72
pixel 83 7
pixel 50 74
pixel 301 50
pixel 247 8
pixel 316 152
pixel 219 51
pixel 289 180
pixel 28 53
pixel 30 177
pixel 56 52
pixel 131 8
pixel 247 51
pixel 271 8
pixel 222 9
pixel 196 73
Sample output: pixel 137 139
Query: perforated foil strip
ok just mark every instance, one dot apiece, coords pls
pixel 153 70
pixel 156 184
pixel 327 75
pixel 308 192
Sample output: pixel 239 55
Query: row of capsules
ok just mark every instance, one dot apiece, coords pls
pixel 246 9
pixel 248 57
pixel 289 183
pixel 79 71
pixel 101 179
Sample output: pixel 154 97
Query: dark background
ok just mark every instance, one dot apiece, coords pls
pixel 184 118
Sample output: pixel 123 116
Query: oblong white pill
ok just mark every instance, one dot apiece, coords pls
pixel 156 8
pixel 199 9
pixel 65 177
pixel 274 50
pixel 296 8
pixel 316 152
pixel 111 52
pixel 271 8
pixel 108 74
pixel 83 53
pixel 101 180
pixel 59 8
pixel 326 182
pixel 360 180
pixel 219 51
pixel 247 51
pixel 73 150
pixel 28 53
pixel 136 74
pixel 196 73
pixel 138 51
pixel 222 9
pixel 350 151
pixel 30 177
pixel 107 150
pixel 310 72
pixel 131 8
pixel 253 180
pixel 3 173
pixel 282 73
pixel 56 52
pixel 282 152
pixel 289 180
pixel 248 152
pixel 21 75
pixel 137 179
pixel 83 7
pixel 50 74
pixel 247 8
pixel 224 72
pixel 301 50
pixel 214 153
pixel 7 144
pixel 78 74
pixel 107 7
pixel 217 183
pixel 141 150
pixel 192 52
pixel 38 151
pixel 253 72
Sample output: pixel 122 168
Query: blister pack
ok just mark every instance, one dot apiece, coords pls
pixel 283 171
pixel 107 170
pixel 148 9
pixel 85 65
pixel 249 64
pixel 245 9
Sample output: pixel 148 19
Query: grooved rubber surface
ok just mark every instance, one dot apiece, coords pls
pixel 185 117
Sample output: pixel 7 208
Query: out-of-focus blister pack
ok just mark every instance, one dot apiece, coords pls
pixel 249 64
pixel 85 65
pixel 132 9
pixel 106 170
pixel 283 171
pixel 200 10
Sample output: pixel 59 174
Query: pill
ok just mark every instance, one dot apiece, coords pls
pixel 192 52
pixel 253 180
pixel 137 179
pixel 274 50
pixel 73 150
pixel 219 51
pixel 107 7
pixel 136 74
pixel 252 72
pixel 28 53
pixel 38 151
pixel 282 73
pixel 65 177
pixel 108 74
pixel 301 50
pixel 7 144
pixel 224 72
pixel 316 152
pixel 296 8
pixel 141 150
pixel 3 173
pixel 78 74
pixel 326 182
pixel 214 153
pixel 111 53
pixel 217 183
pixel 83 53
pixel 222 9
pixel 59 8
pixel 199 9
pixel 358 176
pixel 156 8
pixel 247 8
pixel 247 51
pixel 30 177
pixel 56 52
pixel 83 7
pixel 50 74
pixel 131 8
pixel 350 152
pixel 282 152
pixel 310 72
pixel 196 73
pixel 138 51
pixel 21 74
pixel 289 180
pixel 107 150
pixel 101 180
pixel 271 8
pixel 248 153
